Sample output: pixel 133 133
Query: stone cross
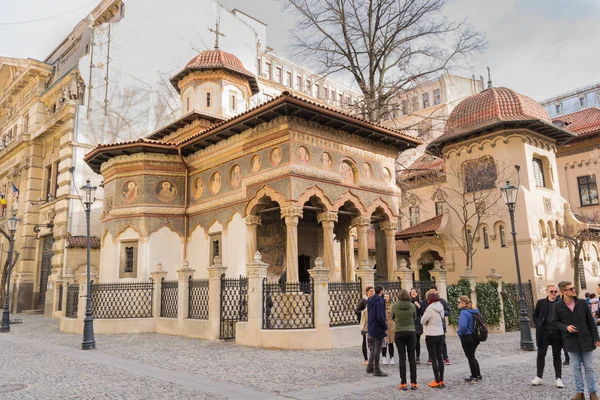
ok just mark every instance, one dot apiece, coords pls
pixel 217 33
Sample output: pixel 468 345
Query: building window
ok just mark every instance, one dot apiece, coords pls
pixel 538 172
pixel 414 215
pixel 317 91
pixel 268 71
pixel 288 79
pixel 502 236
pixel 588 191
pixel 215 247
pixel 486 239
pixel 278 74
pixel 558 108
pixel 233 102
pixel 439 208
pixel 582 101
pixel 259 67
pixel 187 100
pixel 128 261
pixel 208 100
pixel 55 185
pixel 480 174
pixel 308 87
pixel 298 82
pixel 48 185
pixel 426 100
pixel 437 97
pixel 415 103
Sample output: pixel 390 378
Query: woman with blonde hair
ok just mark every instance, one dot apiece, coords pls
pixel 466 330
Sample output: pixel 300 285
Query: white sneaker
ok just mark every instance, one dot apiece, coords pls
pixel 384 360
pixel 559 383
pixel 536 381
pixel 392 362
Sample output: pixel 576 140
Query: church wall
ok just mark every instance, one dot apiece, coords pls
pixel 165 246
pixel 198 253
pixel 109 258
pixel 234 246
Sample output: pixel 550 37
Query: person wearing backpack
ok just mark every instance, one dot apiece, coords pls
pixel 469 336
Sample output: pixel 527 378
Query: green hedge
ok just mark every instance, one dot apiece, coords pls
pixel 488 302
pixel 510 299
pixel 462 288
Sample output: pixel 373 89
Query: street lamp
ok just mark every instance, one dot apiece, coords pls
pixel 89 342
pixel 12 223
pixel 509 193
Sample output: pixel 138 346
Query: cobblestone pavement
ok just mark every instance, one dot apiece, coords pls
pixel 151 366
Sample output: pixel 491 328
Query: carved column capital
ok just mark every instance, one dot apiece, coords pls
pixel 361 221
pixel 291 212
pixel 388 225
pixel 253 220
pixel 328 216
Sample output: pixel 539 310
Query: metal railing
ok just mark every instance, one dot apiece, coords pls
pixel 198 299
pixel 122 300
pixel 392 288
pixel 289 306
pixel 60 297
pixel 72 301
pixel 343 299
pixel 169 297
pixel 234 304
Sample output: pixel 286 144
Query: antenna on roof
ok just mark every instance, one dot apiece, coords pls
pixel 217 33
pixel 489 78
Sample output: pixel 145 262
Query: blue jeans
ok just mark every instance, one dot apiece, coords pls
pixel 587 359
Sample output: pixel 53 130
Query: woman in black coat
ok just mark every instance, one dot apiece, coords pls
pixel 415 298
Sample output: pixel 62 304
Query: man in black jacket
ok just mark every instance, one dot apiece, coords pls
pixel 580 337
pixel 546 334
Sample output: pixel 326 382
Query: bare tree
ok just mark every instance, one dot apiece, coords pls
pixel 386 46
pixel 578 236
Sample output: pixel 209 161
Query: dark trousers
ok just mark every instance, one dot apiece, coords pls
pixel 434 347
pixel 418 345
pixel 384 349
pixel 364 347
pixel 549 338
pixel 444 350
pixel 406 343
pixel 375 354
pixel 469 345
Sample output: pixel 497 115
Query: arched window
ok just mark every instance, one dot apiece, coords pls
pixel 502 236
pixel 486 240
pixel 551 233
pixel 543 233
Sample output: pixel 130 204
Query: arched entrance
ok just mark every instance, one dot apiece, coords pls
pixel 426 263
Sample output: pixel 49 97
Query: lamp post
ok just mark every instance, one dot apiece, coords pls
pixel 12 223
pixel 509 193
pixel 89 342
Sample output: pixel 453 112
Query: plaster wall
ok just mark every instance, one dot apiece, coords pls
pixel 164 246
pixel 198 253
pixel 234 246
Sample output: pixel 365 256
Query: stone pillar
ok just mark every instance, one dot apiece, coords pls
pixel 183 286
pixel 51 306
pixel 439 275
pixel 350 264
pixel 252 223
pixel 496 277
pixel 257 272
pixel 362 226
pixel 367 276
pixel 320 276
pixel 292 216
pixel 215 272
pixel 68 279
pixel 389 227
pixel 328 220
pixel 405 274
pixel 157 277
pixel 472 282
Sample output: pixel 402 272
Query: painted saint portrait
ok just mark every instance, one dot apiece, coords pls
pixel 387 175
pixel 326 160
pixel 197 189
pixel 255 163
pixel 165 191
pixel 235 176
pixel 215 183
pixel 130 191
pixel 275 156
pixel 303 155
pixel 347 173
pixel 367 170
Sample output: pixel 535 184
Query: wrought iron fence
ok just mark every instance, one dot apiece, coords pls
pixel 343 299
pixel 289 306
pixel 198 299
pixel 423 287
pixel 122 300
pixel 72 301
pixel 234 304
pixel 60 297
pixel 169 294
pixel 391 288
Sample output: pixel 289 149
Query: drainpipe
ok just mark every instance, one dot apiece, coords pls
pixel 185 204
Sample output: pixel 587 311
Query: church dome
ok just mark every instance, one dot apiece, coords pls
pixel 214 60
pixel 490 107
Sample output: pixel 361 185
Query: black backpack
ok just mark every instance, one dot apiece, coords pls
pixel 480 329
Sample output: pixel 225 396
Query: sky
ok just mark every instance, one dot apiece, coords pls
pixel 539 48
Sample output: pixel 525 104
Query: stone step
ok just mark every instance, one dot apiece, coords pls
pixel 33 312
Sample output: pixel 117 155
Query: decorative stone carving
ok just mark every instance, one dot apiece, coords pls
pixel 359 221
pixel 367 170
pixel 235 176
pixel 387 175
pixel 215 183
pixel 255 163
pixel 275 157
pixel 388 225
pixel 197 188
pixel 329 216
pixel 130 191
pixel 257 268
pixel 166 191
pixel 327 160
pixel 303 155
pixel 291 212
pixel 319 273
pixel 253 220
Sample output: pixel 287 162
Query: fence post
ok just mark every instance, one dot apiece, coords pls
pixel 157 276
pixel 68 279
pixel 183 287
pixel 439 275
pixel 472 283
pixel 257 271
pixel 405 275
pixel 55 282
pixel 367 276
pixel 320 276
pixel 214 298
pixel 496 277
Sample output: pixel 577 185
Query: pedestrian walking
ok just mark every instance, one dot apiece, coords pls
pixel 580 338
pixel 466 333
pixel 546 334
pixel 404 314
pixel 362 314
pixel 420 306
pixel 376 329
pixel 433 328
pixel 388 346
pixel 593 302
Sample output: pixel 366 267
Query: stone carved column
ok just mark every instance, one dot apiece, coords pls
pixel 350 264
pixel 440 279
pixel 328 220
pixel 389 227
pixel 362 226
pixel 320 276
pixel 214 298
pixel 472 282
pixel 367 276
pixel 252 223
pixel 406 275
pixel 157 277
pixel 183 299
pixel 494 276
pixel 257 272
pixel 292 216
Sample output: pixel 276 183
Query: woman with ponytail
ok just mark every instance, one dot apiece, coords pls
pixel 466 328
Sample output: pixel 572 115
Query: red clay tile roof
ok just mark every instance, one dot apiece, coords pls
pixel 426 227
pixel 422 165
pixel 582 122
pixel 216 59
pixel 401 246
pixel 80 242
